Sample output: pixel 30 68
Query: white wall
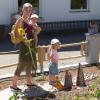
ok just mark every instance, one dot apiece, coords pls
pixel 59 10
pixel 7 7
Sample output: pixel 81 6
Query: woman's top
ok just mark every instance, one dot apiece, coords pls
pixel 28 29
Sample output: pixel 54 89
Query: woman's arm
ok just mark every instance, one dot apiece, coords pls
pixel 37 29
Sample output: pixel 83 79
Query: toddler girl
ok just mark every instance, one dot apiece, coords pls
pixel 53 60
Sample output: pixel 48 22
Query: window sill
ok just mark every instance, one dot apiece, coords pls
pixel 79 10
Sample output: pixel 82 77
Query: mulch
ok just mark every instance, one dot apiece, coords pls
pixel 58 95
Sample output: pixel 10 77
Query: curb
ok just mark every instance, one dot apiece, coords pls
pixel 46 70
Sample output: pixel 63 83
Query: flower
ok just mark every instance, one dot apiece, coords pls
pixel 21 31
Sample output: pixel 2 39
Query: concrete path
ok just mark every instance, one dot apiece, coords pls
pixel 65 38
pixel 10 59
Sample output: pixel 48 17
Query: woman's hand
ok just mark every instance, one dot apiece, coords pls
pixel 27 44
pixel 37 28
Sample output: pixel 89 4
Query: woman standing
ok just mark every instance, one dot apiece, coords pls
pixel 25 61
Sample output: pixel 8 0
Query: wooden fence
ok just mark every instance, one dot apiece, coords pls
pixel 42 53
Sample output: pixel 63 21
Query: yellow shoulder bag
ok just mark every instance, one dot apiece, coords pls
pixel 14 38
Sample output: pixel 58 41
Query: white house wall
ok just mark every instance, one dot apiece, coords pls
pixel 59 10
pixel 7 7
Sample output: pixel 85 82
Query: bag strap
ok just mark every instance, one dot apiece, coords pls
pixel 18 24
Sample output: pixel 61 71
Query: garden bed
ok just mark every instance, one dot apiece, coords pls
pixel 89 92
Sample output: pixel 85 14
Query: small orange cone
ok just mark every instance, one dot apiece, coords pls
pixel 58 84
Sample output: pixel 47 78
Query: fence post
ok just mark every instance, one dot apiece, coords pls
pixel 93 48
pixel 82 49
pixel 41 56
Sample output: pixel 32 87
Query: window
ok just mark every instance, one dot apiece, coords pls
pixel 79 4
pixel 35 4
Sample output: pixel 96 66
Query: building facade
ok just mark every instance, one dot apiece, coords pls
pixel 7 7
pixel 55 10
pixel 69 10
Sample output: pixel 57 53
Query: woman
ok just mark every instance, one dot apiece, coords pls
pixel 25 61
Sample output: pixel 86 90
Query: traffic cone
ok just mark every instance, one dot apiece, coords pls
pixel 68 81
pixel 80 77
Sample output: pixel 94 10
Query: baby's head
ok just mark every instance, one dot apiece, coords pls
pixel 55 43
pixel 34 18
